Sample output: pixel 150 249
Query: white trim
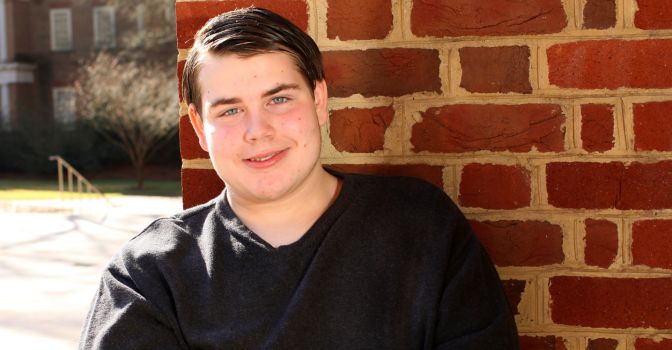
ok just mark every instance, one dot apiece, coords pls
pixel 169 13
pixel 5 112
pixel 13 73
pixel 3 32
pixel 66 45
pixel 140 11
pixel 108 39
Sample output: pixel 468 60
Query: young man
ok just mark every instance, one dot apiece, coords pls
pixel 290 255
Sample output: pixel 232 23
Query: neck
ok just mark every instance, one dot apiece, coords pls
pixel 285 220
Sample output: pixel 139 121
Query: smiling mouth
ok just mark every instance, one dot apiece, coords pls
pixel 261 159
pixel 265 157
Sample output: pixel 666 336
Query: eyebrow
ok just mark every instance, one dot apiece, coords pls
pixel 279 88
pixel 273 91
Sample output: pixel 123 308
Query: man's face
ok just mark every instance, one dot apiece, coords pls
pixel 260 123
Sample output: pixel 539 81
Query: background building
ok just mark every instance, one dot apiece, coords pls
pixel 44 46
pixel 44 42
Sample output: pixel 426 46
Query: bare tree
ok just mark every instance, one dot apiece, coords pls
pixel 129 93
pixel 134 105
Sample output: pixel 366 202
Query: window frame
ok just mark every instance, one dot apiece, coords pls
pixel 56 46
pixel 5 114
pixel 59 106
pixel 98 40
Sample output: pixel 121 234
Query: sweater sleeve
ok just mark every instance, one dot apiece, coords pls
pixel 121 317
pixel 473 311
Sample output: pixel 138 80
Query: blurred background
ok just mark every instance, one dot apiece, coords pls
pixel 89 152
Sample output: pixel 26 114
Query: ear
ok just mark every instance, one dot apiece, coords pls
pixel 321 101
pixel 197 124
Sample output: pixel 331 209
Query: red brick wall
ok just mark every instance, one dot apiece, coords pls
pixel 548 121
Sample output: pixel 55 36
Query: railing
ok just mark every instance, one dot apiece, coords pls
pixel 80 196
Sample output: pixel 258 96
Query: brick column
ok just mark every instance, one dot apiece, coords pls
pixel 548 121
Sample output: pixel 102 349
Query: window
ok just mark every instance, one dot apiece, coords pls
pixel 169 13
pixel 104 35
pixel 140 21
pixel 4 108
pixel 140 17
pixel 64 105
pixel 61 29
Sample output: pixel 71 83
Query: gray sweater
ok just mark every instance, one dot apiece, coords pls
pixel 391 264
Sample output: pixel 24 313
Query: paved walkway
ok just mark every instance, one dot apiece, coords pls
pixel 50 264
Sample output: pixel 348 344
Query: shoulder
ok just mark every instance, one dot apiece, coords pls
pixel 407 209
pixel 405 193
pixel 166 239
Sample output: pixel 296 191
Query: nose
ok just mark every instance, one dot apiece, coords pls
pixel 258 127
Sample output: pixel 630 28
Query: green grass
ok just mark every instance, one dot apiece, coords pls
pixel 13 189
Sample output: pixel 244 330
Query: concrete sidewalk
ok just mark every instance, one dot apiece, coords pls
pixel 50 264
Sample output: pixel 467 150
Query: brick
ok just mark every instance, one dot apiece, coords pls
pixel 602 344
pixel 496 69
pixel 652 243
pixel 611 302
pixel 189 147
pixel 429 173
pixel 647 186
pixel 192 15
pixel 472 127
pixel 514 292
pixel 548 342
pixel 584 185
pixel 601 242
pixel 653 344
pixel 493 186
pixel 588 185
pixel 599 14
pixel 382 72
pixel 199 186
pixel 521 243
pixel 60 4
pixel 653 130
pixel 358 129
pixel 443 18
pixel 612 64
pixel 654 14
pixel 610 185
pixel 597 127
pixel 370 19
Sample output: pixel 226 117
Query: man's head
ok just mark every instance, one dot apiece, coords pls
pixel 257 101
pixel 248 32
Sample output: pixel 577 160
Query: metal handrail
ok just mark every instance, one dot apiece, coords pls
pixel 81 181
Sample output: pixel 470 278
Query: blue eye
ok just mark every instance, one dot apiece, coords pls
pixel 279 99
pixel 231 111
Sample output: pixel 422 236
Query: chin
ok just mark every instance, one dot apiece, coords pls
pixel 270 189
pixel 267 195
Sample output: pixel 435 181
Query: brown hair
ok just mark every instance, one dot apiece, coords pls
pixel 248 32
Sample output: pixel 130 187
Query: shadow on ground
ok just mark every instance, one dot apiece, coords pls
pixel 50 263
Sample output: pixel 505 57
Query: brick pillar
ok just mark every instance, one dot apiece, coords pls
pixel 547 121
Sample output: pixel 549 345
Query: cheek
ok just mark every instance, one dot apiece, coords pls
pixel 223 140
pixel 300 124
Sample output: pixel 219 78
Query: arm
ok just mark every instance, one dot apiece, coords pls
pixel 121 317
pixel 473 312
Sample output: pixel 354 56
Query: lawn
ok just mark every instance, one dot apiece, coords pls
pixel 15 189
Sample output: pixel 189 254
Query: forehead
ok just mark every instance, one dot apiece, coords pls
pixel 237 69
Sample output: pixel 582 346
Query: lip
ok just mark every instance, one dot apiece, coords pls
pixel 275 156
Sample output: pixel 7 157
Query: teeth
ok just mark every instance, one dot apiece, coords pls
pixel 263 158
